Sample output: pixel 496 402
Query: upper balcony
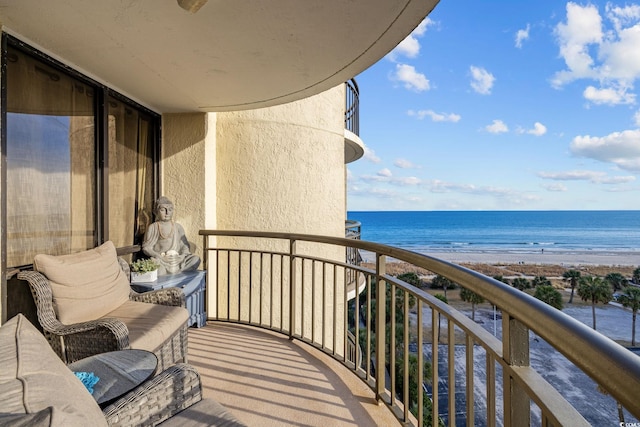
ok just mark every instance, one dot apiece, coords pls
pixel 353 145
pixel 287 351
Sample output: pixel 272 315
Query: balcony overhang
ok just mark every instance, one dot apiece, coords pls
pixel 353 147
pixel 229 55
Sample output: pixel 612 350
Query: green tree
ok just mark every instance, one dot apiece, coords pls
pixel 594 290
pixel 521 283
pixel 473 298
pixel 636 276
pixel 446 301
pixel 540 281
pixel 630 298
pixel 411 278
pixel 502 279
pixel 616 280
pixel 441 282
pixel 550 295
pixel 573 277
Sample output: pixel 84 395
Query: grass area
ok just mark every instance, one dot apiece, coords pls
pixel 509 270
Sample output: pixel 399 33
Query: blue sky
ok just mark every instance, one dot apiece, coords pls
pixel 504 105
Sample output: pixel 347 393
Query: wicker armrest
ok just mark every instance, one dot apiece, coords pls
pixel 80 339
pixel 175 389
pixel 168 296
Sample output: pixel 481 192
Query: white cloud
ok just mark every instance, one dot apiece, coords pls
pixel 609 96
pixel 538 129
pixel 505 194
pixel 498 126
pixel 576 175
pixel 595 177
pixel 405 164
pixel 409 180
pixel 436 117
pixel 555 187
pixel 410 46
pixel 384 172
pixel 385 176
pixel 583 27
pixel 636 118
pixel 370 155
pixel 607 55
pixel 619 148
pixel 522 35
pixel 617 179
pixel 481 80
pixel 411 79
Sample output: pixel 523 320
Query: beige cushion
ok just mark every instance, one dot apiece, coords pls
pixel 85 285
pixel 149 325
pixel 34 381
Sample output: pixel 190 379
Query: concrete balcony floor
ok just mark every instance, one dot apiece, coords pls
pixel 267 380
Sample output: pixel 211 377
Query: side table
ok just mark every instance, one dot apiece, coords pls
pixel 192 284
pixel 119 372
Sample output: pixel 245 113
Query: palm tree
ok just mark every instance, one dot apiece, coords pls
pixel 442 282
pixel 572 276
pixel 550 295
pixel 473 298
pixel 636 276
pixel 595 290
pixel 616 280
pixel 630 298
pixel 521 283
pixel 540 281
pixel 501 278
pixel 444 300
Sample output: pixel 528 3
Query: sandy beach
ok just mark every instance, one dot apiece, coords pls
pixel 548 257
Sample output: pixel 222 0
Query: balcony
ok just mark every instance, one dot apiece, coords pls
pixel 353 145
pixel 283 315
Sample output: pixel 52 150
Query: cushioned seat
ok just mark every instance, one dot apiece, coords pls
pixel 38 390
pixel 36 386
pixel 86 306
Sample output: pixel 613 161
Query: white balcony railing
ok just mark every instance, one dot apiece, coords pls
pixel 289 289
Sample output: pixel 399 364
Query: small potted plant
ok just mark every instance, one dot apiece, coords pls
pixel 144 270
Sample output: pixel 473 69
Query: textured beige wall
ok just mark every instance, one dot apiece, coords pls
pixel 274 169
pixel 188 171
pixel 282 169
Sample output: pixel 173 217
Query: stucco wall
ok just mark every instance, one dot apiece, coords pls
pixel 282 169
pixel 188 171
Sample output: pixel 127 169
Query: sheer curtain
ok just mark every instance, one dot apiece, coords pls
pixel 50 157
pixel 130 166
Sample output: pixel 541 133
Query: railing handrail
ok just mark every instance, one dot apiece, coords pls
pixel 612 366
pixel 352 229
pixel 352 107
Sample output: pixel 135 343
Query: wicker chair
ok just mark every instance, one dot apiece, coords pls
pixel 173 398
pixel 37 388
pixel 74 341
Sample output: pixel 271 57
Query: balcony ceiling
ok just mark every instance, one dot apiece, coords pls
pixel 230 55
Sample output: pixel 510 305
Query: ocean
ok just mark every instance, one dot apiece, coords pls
pixel 503 231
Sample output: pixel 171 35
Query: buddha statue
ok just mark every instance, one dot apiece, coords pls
pixel 165 241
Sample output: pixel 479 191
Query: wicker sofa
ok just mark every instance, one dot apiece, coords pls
pixel 85 306
pixel 37 389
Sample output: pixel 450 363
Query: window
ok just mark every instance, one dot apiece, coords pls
pixel 62 197
pixel 131 143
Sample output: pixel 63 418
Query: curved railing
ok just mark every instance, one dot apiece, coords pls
pixel 352 107
pixel 288 283
pixel 352 229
